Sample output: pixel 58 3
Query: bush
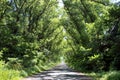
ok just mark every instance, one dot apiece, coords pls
pixel 116 63
pixel 114 75
pixel 14 63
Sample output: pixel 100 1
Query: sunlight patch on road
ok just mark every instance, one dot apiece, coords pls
pixel 64 73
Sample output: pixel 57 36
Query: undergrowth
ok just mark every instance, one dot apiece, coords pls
pixel 13 72
pixel 111 75
pixel 8 74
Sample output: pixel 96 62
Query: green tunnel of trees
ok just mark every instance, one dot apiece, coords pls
pixel 37 32
pixel 30 33
pixel 94 31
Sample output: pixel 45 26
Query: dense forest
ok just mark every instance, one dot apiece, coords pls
pixel 35 34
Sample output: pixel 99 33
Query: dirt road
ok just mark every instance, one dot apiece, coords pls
pixel 60 72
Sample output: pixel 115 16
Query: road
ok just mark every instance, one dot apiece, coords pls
pixel 60 72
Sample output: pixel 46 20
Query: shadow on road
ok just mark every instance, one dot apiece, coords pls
pixel 60 72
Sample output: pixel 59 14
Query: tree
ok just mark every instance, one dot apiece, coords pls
pixel 30 31
pixel 88 31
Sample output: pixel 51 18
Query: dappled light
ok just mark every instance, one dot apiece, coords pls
pixel 59 39
pixel 60 72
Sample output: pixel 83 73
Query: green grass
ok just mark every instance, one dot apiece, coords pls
pixel 8 74
pixel 36 69
pixel 96 76
pixel 111 75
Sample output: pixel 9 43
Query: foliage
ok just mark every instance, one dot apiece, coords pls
pixel 114 75
pixel 6 74
pixel 110 75
pixel 30 35
pixel 93 35
pixel 37 32
pixel 28 32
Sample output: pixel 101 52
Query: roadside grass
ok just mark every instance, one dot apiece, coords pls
pixel 111 75
pixel 13 74
pixel 36 69
pixel 8 74
pixel 16 74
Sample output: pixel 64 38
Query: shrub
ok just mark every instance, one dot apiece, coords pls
pixel 14 63
pixel 114 75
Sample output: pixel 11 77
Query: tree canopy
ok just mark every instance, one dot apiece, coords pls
pixel 37 32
